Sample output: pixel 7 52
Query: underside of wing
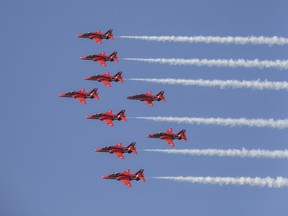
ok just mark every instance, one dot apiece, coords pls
pixel 106 82
pixel 109 122
pixel 102 62
pixel 82 100
pixel 170 142
pixel 97 40
pixel 119 155
pixel 149 102
pixel 127 182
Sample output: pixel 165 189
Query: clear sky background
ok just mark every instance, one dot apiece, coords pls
pixel 47 161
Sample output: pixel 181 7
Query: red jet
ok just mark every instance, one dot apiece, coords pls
pixel 148 97
pixel 81 95
pixel 106 78
pixel 108 117
pixel 97 36
pixel 168 136
pixel 126 177
pixel 101 58
pixel 118 149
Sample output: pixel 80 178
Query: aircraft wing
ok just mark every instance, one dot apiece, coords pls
pixel 81 99
pixel 170 142
pixel 149 94
pixel 119 155
pixel 126 182
pixel 149 102
pixel 102 62
pixel 109 122
pixel 97 40
pixel 109 112
pixel 107 83
pixel 169 131
pixel 119 144
pixel 127 171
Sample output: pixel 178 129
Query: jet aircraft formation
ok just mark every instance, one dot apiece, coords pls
pixel 108 117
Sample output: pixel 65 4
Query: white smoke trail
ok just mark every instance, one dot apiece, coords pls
pixel 269 123
pixel 279 64
pixel 277 182
pixel 215 39
pixel 243 153
pixel 257 84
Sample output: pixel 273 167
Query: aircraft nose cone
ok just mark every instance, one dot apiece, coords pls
pixel 61 95
pixel 83 57
pixel 88 117
pixel 87 78
pixel 79 35
pixel 104 177
pixel 97 150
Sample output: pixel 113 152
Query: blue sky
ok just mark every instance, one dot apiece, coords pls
pixel 47 161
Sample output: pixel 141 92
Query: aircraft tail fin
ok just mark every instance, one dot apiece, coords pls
pixel 182 135
pixel 109 34
pixel 140 175
pixel 132 148
pixel 94 93
pixel 114 56
pixel 160 96
pixel 122 115
pixel 118 76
